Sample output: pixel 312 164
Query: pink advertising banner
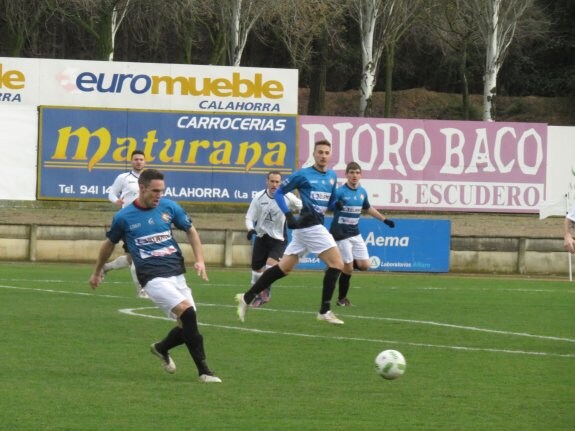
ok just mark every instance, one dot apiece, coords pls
pixel 436 165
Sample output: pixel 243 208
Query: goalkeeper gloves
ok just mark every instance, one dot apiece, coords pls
pixel 389 222
pixel 339 205
pixel 250 234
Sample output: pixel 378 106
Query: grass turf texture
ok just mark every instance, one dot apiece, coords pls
pixel 482 353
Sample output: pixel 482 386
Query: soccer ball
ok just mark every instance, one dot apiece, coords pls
pixel 390 364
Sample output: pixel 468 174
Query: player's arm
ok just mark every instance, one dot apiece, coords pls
pixel 568 242
pixel 115 193
pixel 376 214
pixel 104 254
pixel 251 215
pixel 279 197
pixel 196 243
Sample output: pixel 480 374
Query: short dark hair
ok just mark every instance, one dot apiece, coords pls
pixel 322 142
pixel 352 166
pixel 148 175
pixel 270 173
pixel 135 152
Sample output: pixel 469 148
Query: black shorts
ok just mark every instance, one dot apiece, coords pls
pixel 266 247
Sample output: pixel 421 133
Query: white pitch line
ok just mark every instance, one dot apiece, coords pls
pixel 133 312
pixel 288 286
pixel 418 322
pixel 61 292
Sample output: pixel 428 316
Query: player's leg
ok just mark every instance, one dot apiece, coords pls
pixel 283 268
pixel 274 250
pixel 120 262
pixel 259 256
pixel 319 241
pixel 174 297
pixel 356 256
pixel 345 249
pixel 140 292
pixel 174 338
pixel 334 263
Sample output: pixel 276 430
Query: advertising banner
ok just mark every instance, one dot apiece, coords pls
pixel 206 157
pixel 414 245
pixel 560 184
pixel 437 165
pixel 153 86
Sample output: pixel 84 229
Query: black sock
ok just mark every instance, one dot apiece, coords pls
pixel 329 282
pixel 268 277
pixel 194 340
pixel 343 285
pixel 173 339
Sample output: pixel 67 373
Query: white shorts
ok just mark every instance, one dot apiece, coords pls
pixel 314 239
pixel 169 292
pixel 353 248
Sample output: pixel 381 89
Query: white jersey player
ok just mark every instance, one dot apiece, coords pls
pixel 266 222
pixel 123 192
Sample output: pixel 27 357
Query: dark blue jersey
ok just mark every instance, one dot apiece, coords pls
pixel 316 191
pixel 147 232
pixel 345 223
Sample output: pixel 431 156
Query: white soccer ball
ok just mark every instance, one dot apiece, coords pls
pixel 390 364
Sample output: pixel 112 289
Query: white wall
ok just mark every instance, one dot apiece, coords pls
pixel 18 152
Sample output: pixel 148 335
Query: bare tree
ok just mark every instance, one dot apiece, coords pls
pixel 382 23
pixel 498 21
pixel 238 18
pixel 457 32
pixel 297 23
pixel 21 19
pixel 307 29
pixel 166 26
pixel 100 18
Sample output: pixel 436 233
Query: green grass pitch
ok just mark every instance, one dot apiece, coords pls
pixel 483 353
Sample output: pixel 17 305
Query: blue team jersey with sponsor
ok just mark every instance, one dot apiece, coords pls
pixel 345 223
pixel 147 232
pixel 316 191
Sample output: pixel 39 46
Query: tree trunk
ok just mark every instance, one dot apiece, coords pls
pixel 235 53
pixel 316 102
pixel 389 62
pixel 105 36
pixel 464 83
pixel 490 80
pixel 491 65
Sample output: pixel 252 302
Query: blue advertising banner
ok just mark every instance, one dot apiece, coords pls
pixel 208 158
pixel 412 246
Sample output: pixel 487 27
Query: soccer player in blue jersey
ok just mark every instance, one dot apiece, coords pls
pixel 145 226
pixel 316 185
pixel 351 200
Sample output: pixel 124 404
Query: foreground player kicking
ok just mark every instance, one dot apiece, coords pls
pixel 146 230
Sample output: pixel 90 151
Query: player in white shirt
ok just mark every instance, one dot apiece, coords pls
pixel 266 222
pixel 123 192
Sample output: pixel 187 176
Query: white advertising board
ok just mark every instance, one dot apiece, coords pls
pixel 171 87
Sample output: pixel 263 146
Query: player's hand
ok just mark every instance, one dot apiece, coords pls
pixel 201 270
pixel 569 244
pixel 250 234
pixel 291 220
pixel 389 223
pixel 96 279
pixel 339 205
